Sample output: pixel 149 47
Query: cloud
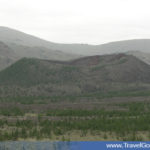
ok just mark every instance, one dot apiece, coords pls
pixel 85 21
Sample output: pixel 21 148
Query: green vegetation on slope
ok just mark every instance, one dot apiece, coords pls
pixel 100 74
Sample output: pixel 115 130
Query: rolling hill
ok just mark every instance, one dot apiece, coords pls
pixel 7 56
pixel 15 45
pixel 21 45
pixel 140 55
pixel 84 75
pixel 15 38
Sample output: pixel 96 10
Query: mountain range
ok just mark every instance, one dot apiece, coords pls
pixel 21 45
pixel 31 66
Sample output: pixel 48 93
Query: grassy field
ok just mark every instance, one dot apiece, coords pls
pixel 86 118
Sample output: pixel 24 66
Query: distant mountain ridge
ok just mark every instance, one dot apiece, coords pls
pixel 25 45
pixel 7 55
pixel 21 45
pixel 14 37
pixel 140 55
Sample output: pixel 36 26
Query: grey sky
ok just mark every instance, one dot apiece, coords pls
pixel 78 21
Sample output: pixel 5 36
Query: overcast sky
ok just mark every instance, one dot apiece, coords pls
pixel 78 21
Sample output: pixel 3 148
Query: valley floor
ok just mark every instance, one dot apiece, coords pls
pixel 113 119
